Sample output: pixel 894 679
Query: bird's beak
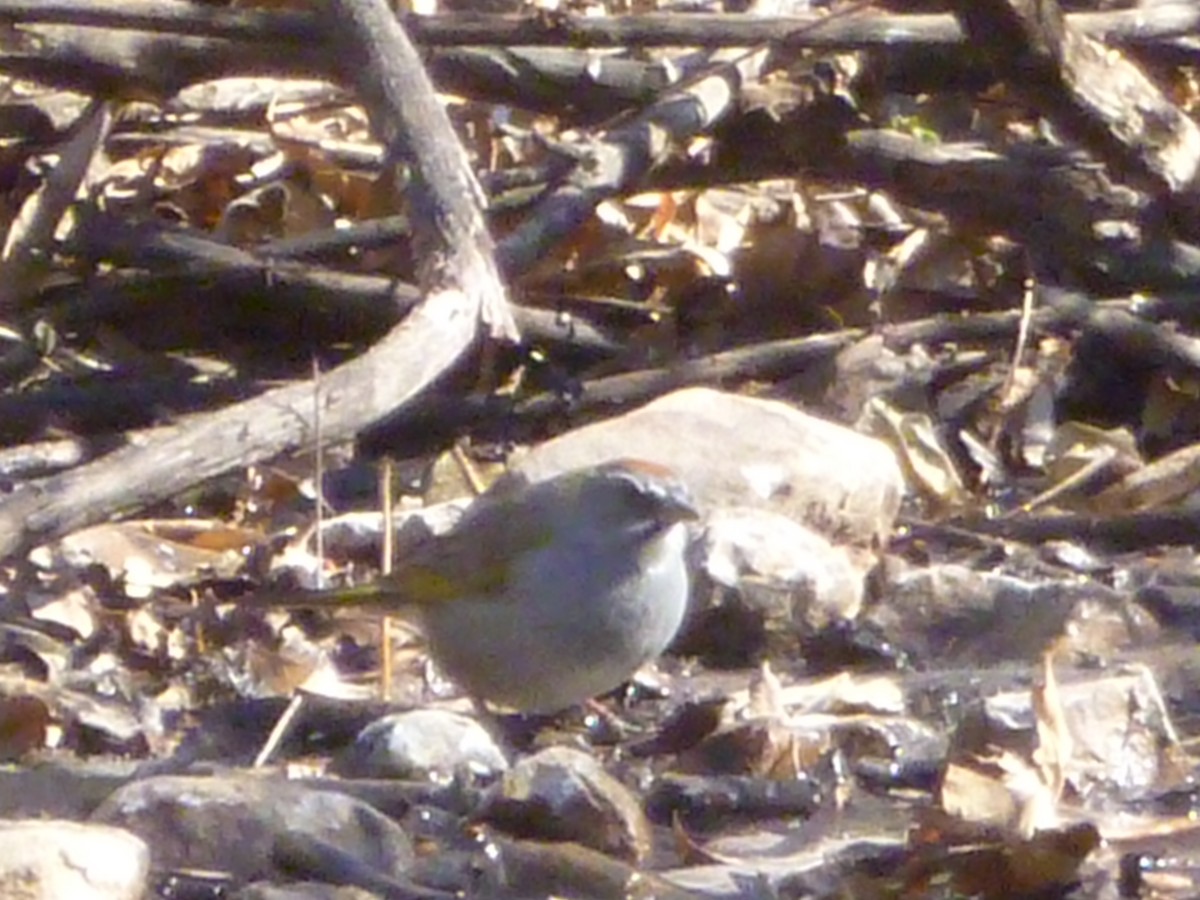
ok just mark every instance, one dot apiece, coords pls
pixel 678 506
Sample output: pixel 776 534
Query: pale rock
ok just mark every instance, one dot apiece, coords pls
pixel 49 859
pixel 736 451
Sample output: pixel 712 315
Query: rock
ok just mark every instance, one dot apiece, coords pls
pixel 959 615
pixel 53 859
pixel 234 823
pixel 534 869
pixel 562 794
pixel 61 786
pixel 793 576
pixel 736 451
pixel 426 744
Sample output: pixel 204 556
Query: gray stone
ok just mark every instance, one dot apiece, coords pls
pixel 234 823
pixel 426 744
pixel 561 794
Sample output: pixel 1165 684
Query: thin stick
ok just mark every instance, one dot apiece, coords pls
pixel 468 469
pixel 319 471
pixel 282 726
pixel 386 564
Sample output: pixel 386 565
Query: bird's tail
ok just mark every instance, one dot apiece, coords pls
pixel 372 597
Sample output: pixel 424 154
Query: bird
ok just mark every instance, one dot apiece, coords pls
pixel 546 593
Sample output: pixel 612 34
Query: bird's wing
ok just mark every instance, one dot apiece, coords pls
pixel 456 564
pixel 460 563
